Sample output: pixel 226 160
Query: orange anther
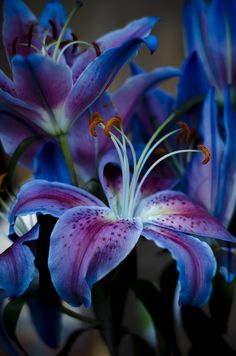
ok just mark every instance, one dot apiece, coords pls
pixel 2 178
pixel 160 151
pixel 185 131
pixel 112 122
pixel 94 121
pixel 206 153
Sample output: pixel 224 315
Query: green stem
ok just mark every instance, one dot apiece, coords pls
pixel 77 316
pixel 66 151
pixel 71 15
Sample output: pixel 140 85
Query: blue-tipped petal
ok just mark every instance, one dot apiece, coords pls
pixel 17 265
pixel 94 242
pixel 98 75
pixel 136 29
pixel 195 263
pixel 50 164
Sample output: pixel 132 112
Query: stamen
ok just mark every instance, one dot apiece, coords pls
pixel 185 132
pixel 94 121
pixel 2 178
pixel 54 29
pixel 14 44
pixel 113 121
pixel 97 49
pixel 30 35
pixel 206 153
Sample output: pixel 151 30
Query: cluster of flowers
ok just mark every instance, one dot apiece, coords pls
pixel 86 138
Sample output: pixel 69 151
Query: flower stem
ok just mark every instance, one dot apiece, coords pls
pixel 71 15
pixel 78 316
pixel 66 151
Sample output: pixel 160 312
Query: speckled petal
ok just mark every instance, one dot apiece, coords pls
pixel 41 196
pixel 85 245
pixel 174 210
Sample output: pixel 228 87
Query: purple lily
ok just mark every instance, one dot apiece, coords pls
pixel 44 99
pixel 95 238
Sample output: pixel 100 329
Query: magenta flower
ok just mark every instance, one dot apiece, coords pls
pixel 91 238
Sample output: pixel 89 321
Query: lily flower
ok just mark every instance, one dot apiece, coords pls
pixel 44 99
pixel 90 238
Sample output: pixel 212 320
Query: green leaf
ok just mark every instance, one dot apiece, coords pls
pixel 11 315
pixel 16 156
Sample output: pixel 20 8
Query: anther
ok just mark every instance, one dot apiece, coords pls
pixel 94 121
pixel 2 178
pixel 30 35
pixel 14 44
pixel 114 121
pixel 206 153
pixel 185 132
pixel 160 151
pixel 97 49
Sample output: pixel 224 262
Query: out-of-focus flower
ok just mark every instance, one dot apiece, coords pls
pixel 96 238
pixel 210 31
pixel 45 99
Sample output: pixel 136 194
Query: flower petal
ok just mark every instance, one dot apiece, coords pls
pixel 97 76
pixel 6 84
pixel 174 210
pixel 111 179
pixel 94 243
pixel 225 203
pixel 86 150
pixel 17 265
pixel 204 24
pixel 127 96
pixel 41 196
pixel 135 29
pixel 195 262
pixel 50 164
pixel 17 21
pixel 202 179
pixel 14 129
pixel 41 81
pixel 193 82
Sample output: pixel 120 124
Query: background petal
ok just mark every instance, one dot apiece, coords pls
pixel 17 265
